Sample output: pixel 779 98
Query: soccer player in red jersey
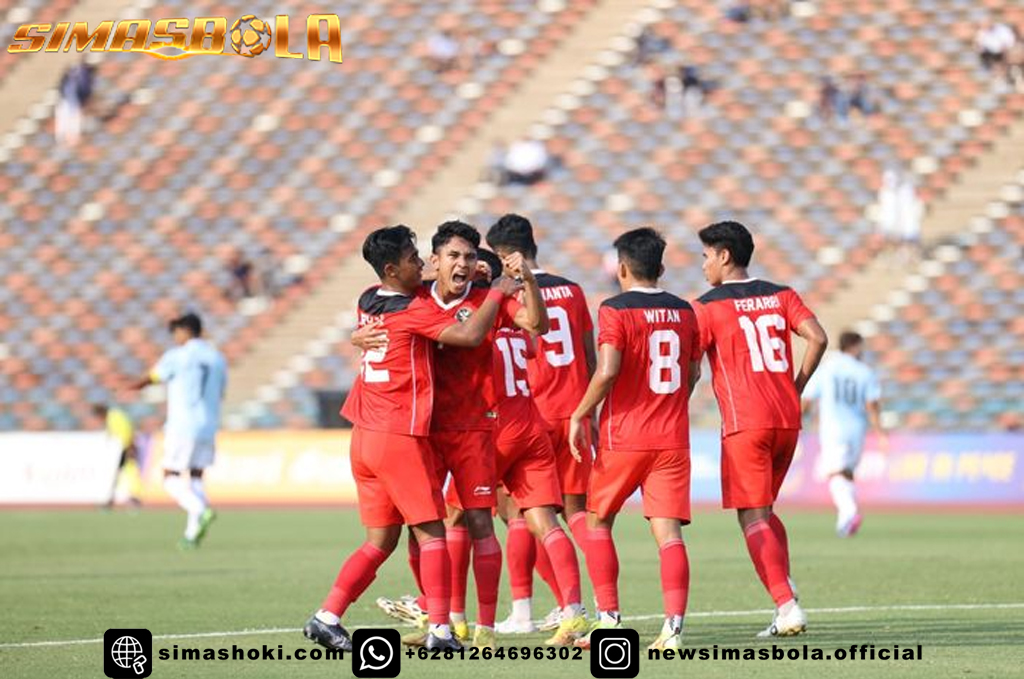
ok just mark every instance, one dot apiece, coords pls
pixel 525 466
pixel 745 329
pixel 391 408
pixel 462 431
pixel 558 377
pixel 648 363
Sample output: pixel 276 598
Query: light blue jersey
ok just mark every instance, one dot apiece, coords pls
pixel 843 387
pixel 196 376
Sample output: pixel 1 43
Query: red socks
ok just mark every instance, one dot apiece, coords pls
pixel 458 552
pixel 414 566
pixel 435 573
pixel 354 577
pixel 487 574
pixel 580 532
pixel 770 562
pixel 603 566
pixel 675 577
pixel 780 534
pixel 521 554
pixel 547 572
pixel 562 553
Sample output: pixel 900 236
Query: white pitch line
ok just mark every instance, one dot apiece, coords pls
pixel 653 616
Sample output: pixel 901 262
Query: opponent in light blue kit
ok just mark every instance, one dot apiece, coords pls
pixel 849 401
pixel 196 376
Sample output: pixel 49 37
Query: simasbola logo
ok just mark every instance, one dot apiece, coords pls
pixel 173 39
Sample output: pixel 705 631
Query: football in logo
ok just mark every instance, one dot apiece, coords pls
pixel 250 36
pixel 462 314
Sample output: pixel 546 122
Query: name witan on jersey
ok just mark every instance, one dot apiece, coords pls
pixel 757 303
pixel 662 316
pixel 557 292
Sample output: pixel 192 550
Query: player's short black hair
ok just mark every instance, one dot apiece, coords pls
pixel 454 229
pixel 642 250
pixel 387 245
pixel 492 260
pixel 514 232
pixel 190 322
pixel 731 236
pixel 850 340
pixel 99 409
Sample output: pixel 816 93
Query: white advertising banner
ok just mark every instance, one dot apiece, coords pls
pixel 57 468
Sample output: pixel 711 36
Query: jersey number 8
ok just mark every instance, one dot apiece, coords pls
pixel 662 361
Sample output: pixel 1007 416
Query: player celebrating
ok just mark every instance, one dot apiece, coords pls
pixel 849 398
pixel 558 377
pixel 648 363
pixel 391 408
pixel 196 377
pixel 745 327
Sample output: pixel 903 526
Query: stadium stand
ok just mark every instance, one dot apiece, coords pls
pixel 299 159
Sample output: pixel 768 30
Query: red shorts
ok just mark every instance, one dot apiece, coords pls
pixel 754 463
pixel 526 468
pixel 395 479
pixel 662 475
pixel 572 475
pixel 470 457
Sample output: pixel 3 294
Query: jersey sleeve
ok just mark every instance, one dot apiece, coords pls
pixel 874 390
pixel 610 328
pixel 796 311
pixel 165 367
pixel 704 334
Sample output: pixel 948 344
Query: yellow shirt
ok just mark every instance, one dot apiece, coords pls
pixel 119 425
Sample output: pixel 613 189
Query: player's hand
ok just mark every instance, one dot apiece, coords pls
pixel 579 435
pixel 483 272
pixel 370 337
pixel 515 265
pixel 508 286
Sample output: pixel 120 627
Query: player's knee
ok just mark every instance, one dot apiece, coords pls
pixel 479 523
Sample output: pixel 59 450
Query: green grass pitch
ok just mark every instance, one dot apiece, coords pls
pixel 72 575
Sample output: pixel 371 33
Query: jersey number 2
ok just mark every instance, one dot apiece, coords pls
pixel 373 375
pixel 766 350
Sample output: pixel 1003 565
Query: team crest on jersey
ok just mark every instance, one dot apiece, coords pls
pixel 463 314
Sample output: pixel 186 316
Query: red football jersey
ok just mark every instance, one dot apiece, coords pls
pixel 517 411
pixel 648 406
pixel 394 392
pixel 465 399
pixel 745 328
pixel 558 374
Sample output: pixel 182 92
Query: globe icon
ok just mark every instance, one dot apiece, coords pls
pixel 250 36
pixel 125 650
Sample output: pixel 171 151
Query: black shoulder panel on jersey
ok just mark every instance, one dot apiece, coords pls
pixel 549 280
pixel 377 305
pixel 754 288
pixel 646 300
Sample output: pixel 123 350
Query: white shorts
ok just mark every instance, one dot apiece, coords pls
pixel 182 453
pixel 839 455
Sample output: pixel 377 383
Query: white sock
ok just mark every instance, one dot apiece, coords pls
pixel 522 609
pixel 572 610
pixel 610 616
pixel 841 489
pixel 199 491
pixel 457 617
pixel 327 617
pixel 673 625
pixel 440 631
pixel 181 491
pixel 785 608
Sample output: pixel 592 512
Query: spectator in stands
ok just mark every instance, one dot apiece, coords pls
pixel 442 51
pixel 862 97
pixel 650 45
pixel 738 11
pixel 993 41
pixel 832 100
pixel 75 91
pixel 526 162
pixel 241 278
pixel 267 274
